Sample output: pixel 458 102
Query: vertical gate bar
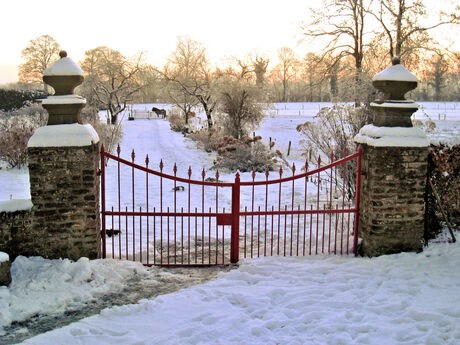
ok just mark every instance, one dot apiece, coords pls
pixel 324 228
pixel 119 200
pixel 217 241
pixel 298 228
pixel 190 239
pixel 140 234
pixel 223 241
pixel 292 206
pixel 217 191
pixel 344 183
pixel 147 244
pixel 154 237
pixel 266 205
pixel 189 172
pixel 133 155
pixel 245 230
pixel 235 231
pixel 161 211
pixel 336 221
pixel 330 226
pixel 252 210
pixel 175 210
pixel 348 234
pixel 202 218
pixel 167 229
pixel 147 201
pixel 113 235
pixel 258 232
pixel 279 209
pixel 317 205
pixel 104 252
pixel 134 238
pixel 202 239
pixel 311 226
pixel 330 201
pixel 126 236
pixel 209 239
pixel 217 211
pixel 357 200
pixel 271 241
pixel 285 228
pixel 305 206
pixel 182 233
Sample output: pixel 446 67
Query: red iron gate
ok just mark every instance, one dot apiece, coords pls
pixel 163 219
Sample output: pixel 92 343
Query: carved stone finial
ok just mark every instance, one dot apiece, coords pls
pixel 395 60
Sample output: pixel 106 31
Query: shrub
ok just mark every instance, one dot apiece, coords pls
pixel 17 99
pixel 109 135
pixel 240 108
pixel 245 157
pixel 16 128
pixel 332 133
pixel 444 174
pixel 177 120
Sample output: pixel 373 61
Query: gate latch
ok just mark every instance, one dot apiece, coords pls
pixel 224 219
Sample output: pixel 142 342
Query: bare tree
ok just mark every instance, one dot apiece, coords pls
pixel 404 23
pixel 239 103
pixel 286 69
pixel 111 79
pixel 342 24
pixel 314 73
pixel 38 55
pixel 189 78
pixel 436 72
pixel 259 65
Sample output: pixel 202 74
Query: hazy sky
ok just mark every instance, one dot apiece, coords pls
pixel 226 28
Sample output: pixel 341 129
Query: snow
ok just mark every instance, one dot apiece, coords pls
pixel 66 99
pixel 395 73
pixel 392 136
pixel 64 135
pixel 15 205
pixel 42 286
pixel 399 299
pixel 4 257
pixel 64 66
pixel 394 299
pixel 396 104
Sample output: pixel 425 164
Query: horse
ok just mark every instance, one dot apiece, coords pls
pixel 159 112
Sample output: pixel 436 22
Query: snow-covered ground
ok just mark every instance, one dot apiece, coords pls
pixel 399 299
pixel 41 286
pixel 396 299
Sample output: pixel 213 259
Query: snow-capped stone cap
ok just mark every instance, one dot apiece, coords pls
pixel 64 135
pixel 396 72
pixel 64 66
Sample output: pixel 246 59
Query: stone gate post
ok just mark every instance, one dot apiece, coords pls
pixel 394 165
pixel 63 164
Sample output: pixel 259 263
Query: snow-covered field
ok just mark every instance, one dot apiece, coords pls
pixel 398 299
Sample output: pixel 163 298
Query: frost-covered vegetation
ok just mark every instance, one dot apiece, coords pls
pixel 16 127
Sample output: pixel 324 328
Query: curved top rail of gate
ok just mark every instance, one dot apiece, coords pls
pixel 162 174
pixel 302 175
pixel 242 183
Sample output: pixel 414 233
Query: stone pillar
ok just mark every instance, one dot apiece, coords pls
pixel 63 165
pixel 394 166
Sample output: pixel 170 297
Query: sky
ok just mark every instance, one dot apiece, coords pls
pixel 226 28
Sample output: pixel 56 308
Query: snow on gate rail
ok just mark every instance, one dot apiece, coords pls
pixel 162 219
